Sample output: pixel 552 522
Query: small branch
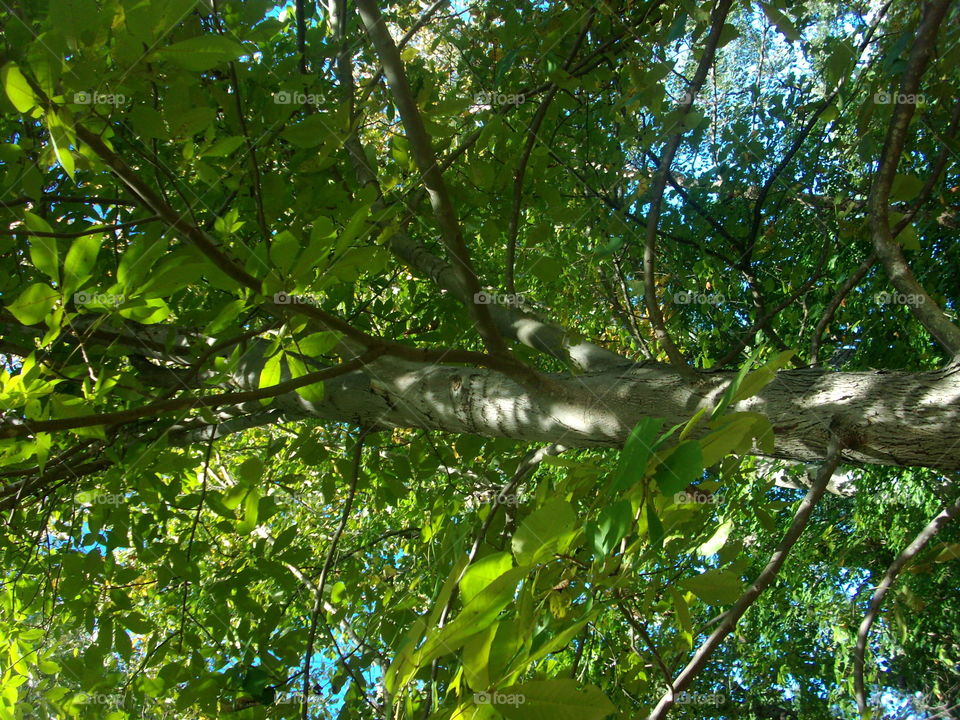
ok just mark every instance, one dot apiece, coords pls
pixel 908 553
pixel 514 224
pixel 23 429
pixel 327 564
pixel 88 199
pixel 527 465
pixel 257 190
pixel 642 631
pixel 765 321
pixel 767 576
pixel 660 333
pixel 532 130
pixel 849 284
pixel 79 233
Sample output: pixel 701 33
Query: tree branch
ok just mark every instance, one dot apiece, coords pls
pixel 660 333
pixel 767 576
pixel 906 555
pixel 925 309
pixel 327 564
pixel 432 177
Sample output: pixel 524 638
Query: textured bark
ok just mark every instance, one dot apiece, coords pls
pixel 887 418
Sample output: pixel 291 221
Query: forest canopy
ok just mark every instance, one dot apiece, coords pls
pixel 479 360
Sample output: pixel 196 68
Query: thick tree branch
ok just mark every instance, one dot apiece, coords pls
pixel 925 309
pixel 422 151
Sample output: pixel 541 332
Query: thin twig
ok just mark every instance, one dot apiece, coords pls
pixel 327 564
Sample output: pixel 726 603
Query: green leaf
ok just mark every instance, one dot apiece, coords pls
pixel 312 131
pixel 251 505
pixel 636 454
pixel 48 667
pixel 138 623
pixel 483 572
pixel 202 53
pixel 270 374
pixel 250 471
pixel 317 344
pixel 43 250
pixel 782 22
pixel 475 617
pixel 558 641
pixel 905 187
pixel 654 526
pixel 717 540
pixel 81 257
pixel 34 303
pixel 541 531
pixel 683 615
pixel 60 138
pixel 728 437
pixel 146 311
pixel 612 525
pixel 554 700
pixel 17 88
pixel 757 380
pixel 476 657
pixel 284 247
pixel 138 259
pixel 715 587
pixel 312 393
pixel 684 464
pixel 224 146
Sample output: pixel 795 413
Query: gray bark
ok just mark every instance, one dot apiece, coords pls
pixel 887 418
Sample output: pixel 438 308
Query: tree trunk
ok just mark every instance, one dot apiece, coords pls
pixel 887 418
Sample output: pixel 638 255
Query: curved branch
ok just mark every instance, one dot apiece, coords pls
pixel 926 309
pixel 908 553
pixel 849 284
pixel 660 332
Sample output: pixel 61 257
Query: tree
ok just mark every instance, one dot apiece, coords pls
pixel 466 361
